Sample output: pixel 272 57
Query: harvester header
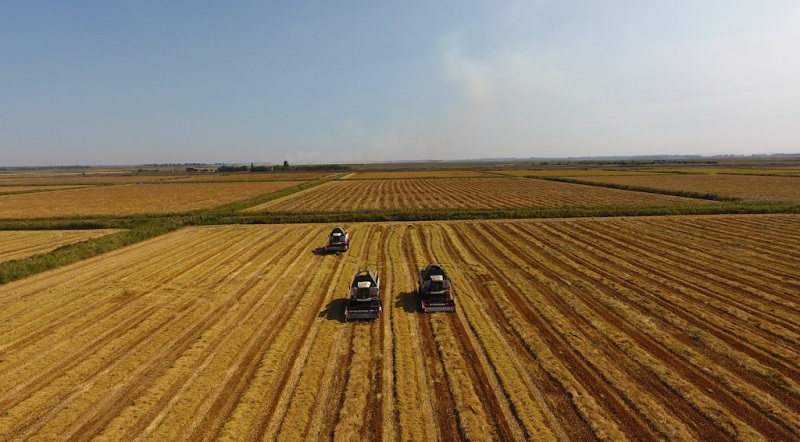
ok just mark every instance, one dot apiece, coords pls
pixel 365 296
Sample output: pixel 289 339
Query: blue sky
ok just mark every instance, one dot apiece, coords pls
pixel 99 83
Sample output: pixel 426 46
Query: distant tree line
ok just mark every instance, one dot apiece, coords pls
pixel 285 168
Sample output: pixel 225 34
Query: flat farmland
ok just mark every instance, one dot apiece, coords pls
pixel 415 174
pixel 573 172
pixel 18 244
pixel 458 193
pixel 29 189
pixel 79 179
pixel 612 328
pixel 256 176
pixel 130 199
pixel 738 186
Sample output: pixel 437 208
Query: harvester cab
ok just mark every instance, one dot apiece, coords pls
pixel 435 290
pixel 338 241
pixel 365 296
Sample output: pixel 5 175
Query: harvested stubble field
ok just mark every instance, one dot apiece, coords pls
pixel 614 328
pixel 458 193
pixel 415 174
pixel 256 176
pixel 77 179
pixel 17 244
pixel 29 189
pixel 131 199
pixel 737 186
pixel 779 171
pixel 573 172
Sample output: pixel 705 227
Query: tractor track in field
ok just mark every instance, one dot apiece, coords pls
pixel 415 405
pixel 295 400
pixel 629 422
pixel 236 379
pixel 497 411
pixel 736 281
pixel 542 387
pixel 491 192
pixel 768 261
pixel 703 270
pixel 723 304
pixel 274 410
pixel 83 313
pixel 443 403
pixel 634 373
pixel 658 328
pixel 97 423
pixel 389 423
pixel 732 338
pixel 738 406
pixel 631 331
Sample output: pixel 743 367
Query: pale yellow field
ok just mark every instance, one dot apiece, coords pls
pixel 573 172
pixel 16 244
pixel 415 174
pixel 132 199
pixel 256 176
pixel 739 186
pixel 662 328
pixel 779 171
pixel 78 179
pixel 27 189
pixel 458 193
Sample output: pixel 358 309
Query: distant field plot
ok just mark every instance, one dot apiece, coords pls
pixel 257 176
pixel 77 179
pixel 15 244
pixel 739 186
pixel 574 172
pixel 778 171
pixel 662 328
pixel 132 199
pixel 458 193
pixel 415 174
pixel 26 189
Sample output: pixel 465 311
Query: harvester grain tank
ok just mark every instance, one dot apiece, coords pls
pixel 338 241
pixel 435 290
pixel 365 296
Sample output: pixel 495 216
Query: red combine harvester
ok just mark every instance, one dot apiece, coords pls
pixel 365 296
pixel 435 290
pixel 338 241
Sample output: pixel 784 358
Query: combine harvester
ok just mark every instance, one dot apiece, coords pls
pixel 365 296
pixel 435 290
pixel 338 241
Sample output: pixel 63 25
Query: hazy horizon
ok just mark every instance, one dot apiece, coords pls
pixel 132 83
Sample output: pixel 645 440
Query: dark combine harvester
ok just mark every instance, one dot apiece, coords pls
pixel 435 290
pixel 365 296
pixel 338 241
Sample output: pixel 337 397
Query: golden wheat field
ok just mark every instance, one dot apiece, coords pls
pixel 684 328
pixel 56 179
pixel 129 199
pixel 738 186
pixel 255 176
pixel 415 174
pixel 573 172
pixel 29 189
pixel 458 193
pixel 17 244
